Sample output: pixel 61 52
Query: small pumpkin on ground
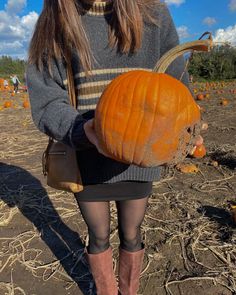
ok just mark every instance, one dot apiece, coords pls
pixel 26 104
pixel 200 96
pixel 199 151
pixel 224 102
pixel 187 168
pixel 149 118
pixel 7 104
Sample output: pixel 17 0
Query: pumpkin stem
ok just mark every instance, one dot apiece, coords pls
pixel 199 45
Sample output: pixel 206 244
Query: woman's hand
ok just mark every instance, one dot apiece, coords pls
pixel 198 142
pixel 92 137
pixel 199 139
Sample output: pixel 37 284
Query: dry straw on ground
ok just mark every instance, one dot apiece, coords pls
pixel 188 229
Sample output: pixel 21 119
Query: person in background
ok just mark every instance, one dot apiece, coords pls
pixel 15 82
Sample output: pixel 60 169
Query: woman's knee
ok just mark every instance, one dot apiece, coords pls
pixel 130 238
pixel 99 237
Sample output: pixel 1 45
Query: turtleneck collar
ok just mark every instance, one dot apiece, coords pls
pixel 97 8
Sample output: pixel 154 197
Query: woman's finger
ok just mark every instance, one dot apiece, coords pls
pixel 90 123
pixel 89 131
pixel 91 134
pixel 198 140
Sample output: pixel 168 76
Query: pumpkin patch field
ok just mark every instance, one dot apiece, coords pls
pixel 189 228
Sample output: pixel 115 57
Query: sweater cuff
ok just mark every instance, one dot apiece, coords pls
pixel 79 140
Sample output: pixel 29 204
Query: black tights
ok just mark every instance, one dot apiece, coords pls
pixel 130 217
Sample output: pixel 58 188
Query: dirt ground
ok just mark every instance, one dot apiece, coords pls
pixel 188 229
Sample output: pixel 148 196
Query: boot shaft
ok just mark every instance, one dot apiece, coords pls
pixel 130 267
pixel 101 266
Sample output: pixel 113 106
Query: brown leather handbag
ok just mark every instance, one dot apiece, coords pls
pixel 59 160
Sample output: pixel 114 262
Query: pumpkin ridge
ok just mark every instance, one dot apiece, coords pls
pixel 181 138
pixel 151 77
pixel 152 141
pixel 130 110
pixel 185 138
pixel 107 107
pixel 140 125
pixel 181 131
pixel 115 108
pixel 150 155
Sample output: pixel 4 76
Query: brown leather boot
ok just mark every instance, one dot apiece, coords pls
pixel 101 266
pixel 130 267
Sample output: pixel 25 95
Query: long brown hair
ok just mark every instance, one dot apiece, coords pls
pixel 59 29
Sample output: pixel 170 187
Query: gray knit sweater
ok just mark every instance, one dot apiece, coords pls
pixel 54 116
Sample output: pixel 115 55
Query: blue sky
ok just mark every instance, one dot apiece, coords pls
pixel 192 18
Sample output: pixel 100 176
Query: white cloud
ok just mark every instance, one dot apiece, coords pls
pixel 15 6
pixel 209 21
pixel 183 32
pixel 174 2
pixel 11 46
pixel 232 5
pixel 226 35
pixel 28 22
pixel 29 19
pixel 16 31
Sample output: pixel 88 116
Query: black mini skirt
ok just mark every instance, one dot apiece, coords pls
pixel 124 190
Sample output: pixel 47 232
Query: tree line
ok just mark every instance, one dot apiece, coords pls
pixel 219 64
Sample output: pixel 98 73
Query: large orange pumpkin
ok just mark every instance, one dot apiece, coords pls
pixel 147 118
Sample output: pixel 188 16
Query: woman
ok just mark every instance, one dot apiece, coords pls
pixel 99 40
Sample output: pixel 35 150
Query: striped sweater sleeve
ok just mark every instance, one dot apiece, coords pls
pixel 50 108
